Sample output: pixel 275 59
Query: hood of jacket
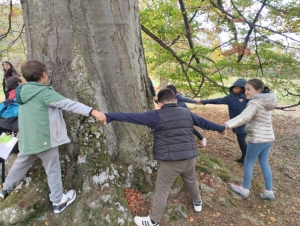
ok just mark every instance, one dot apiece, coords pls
pixel 29 90
pixel 240 82
pixel 267 100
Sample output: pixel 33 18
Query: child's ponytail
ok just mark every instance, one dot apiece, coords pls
pixel 266 89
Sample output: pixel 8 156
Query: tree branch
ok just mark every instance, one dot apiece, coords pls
pixel 291 94
pixel 178 59
pixel 273 7
pixel 256 52
pixel 222 10
pixel 278 43
pixel 190 20
pixel 14 41
pixel 286 107
pixel 187 28
pixel 247 38
pixel 2 36
pixel 190 41
pixel 191 44
pixel 276 32
pixel 224 43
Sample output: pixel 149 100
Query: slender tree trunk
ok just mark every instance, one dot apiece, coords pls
pixel 93 53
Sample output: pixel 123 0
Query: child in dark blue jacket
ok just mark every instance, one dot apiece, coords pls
pixel 181 100
pixel 236 102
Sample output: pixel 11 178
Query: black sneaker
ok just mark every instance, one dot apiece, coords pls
pixel 240 160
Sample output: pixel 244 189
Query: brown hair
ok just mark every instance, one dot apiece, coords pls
pixel 258 84
pixel 12 83
pixel 10 72
pixel 173 88
pixel 32 70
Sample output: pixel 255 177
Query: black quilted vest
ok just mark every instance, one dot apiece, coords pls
pixel 173 138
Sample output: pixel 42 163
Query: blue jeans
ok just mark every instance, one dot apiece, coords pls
pixel 260 151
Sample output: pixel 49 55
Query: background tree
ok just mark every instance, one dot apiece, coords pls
pixel 12 34
pixel 206 42
pixel 93 52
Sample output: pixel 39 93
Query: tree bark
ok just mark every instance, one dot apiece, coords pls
pixel 93 53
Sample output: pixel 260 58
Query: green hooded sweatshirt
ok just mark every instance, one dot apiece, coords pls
pixel 41 123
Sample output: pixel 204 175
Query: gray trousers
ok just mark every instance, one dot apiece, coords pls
pixel 50 159
pixel 167 173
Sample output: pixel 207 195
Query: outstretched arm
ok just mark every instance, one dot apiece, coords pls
pixel 186 99
pixel 206 124
pixel 223 100
pixel 244 117
pixel 78 108
pixel 149 118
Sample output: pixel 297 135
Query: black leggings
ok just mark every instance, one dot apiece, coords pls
pixel 242 143
pixel 195 132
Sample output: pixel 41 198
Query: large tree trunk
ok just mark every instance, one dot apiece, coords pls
pixel 93 53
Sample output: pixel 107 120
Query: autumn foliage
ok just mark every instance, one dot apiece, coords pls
pixel 136 203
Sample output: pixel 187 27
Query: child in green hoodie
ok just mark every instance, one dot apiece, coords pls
pixel 41 130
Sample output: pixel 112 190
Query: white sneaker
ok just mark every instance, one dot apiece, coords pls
pixel 66 200
pixel 203 142
pixel 267 195
pixel 240 190
pixel 197 206
pixel 144 221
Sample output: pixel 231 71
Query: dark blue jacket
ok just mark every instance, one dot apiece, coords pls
pixel 181 100
pixel 236 103
pixel 151 87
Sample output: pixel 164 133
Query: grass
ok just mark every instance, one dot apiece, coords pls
pixel 2 97
pixel 223 175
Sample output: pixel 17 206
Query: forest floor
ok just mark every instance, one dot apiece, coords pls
pixel 223 207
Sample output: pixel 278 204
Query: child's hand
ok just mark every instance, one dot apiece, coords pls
pixel 225 130
pixel 198 102
pixel 99 116
pixel 224 133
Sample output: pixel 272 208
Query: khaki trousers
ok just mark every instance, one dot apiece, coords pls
pixel 167 173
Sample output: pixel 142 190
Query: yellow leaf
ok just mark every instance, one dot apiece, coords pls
pixel 272 218
pixel 46 222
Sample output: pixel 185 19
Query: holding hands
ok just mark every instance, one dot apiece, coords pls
pixel 225 130
pixel 99 116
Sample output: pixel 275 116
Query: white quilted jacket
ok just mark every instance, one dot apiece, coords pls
pixel 258 118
